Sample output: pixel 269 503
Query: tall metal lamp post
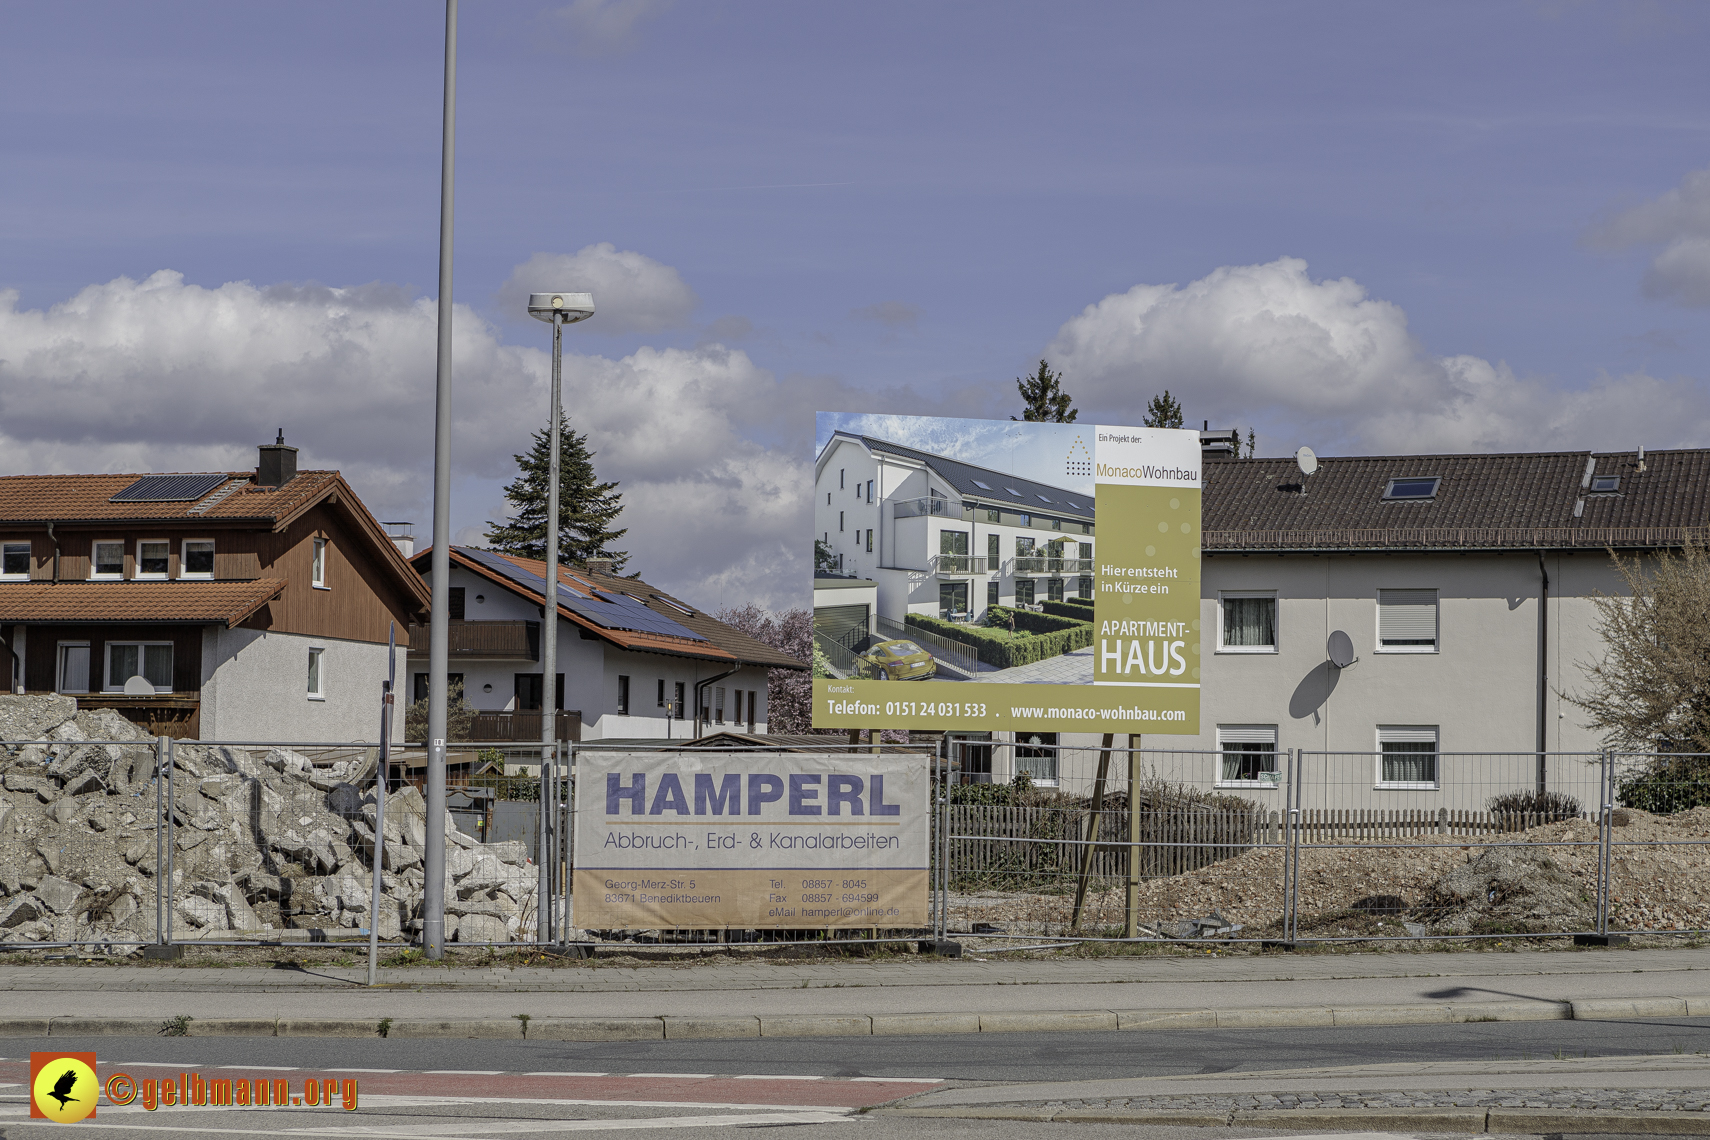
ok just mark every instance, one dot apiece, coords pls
pixel 559 309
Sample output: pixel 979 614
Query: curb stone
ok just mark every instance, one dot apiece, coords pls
pixel 1509 1121
pixel 876 1025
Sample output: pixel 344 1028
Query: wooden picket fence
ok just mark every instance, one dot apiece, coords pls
pixel 1019 846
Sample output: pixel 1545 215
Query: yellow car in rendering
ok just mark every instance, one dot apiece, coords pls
pixel 899 661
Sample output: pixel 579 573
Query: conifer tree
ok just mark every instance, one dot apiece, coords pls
pixel 1045 398
pixel 1163 412
pixel 587 508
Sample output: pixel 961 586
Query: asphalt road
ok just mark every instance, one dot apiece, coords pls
pixel 977 1057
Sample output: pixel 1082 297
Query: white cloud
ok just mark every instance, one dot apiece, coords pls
pixel 1323 363
pixel 605 27
pixel 632 292
pixel 1679 222
pixel 165 376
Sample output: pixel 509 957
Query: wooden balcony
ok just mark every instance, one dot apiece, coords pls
pixel 484 640
pixel 523 726
pixel 178 715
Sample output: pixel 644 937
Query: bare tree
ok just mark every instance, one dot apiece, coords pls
pixel 1651 690
pixel 789 694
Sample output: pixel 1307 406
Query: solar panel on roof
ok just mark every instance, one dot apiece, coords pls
pixel 168 488
pixel 605 611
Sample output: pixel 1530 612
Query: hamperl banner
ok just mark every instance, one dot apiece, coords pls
pixel 672 840
pixel 1007 576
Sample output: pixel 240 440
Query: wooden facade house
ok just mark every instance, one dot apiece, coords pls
pixel 218 606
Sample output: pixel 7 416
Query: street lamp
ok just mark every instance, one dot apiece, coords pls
pixel 559 309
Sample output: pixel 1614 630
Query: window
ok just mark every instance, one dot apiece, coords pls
pixel 108 560
pixel 840 522
pixel 419 687
pixel 1408 756
pixel 1247 622
pixel 869 540
pixel 953 601
pixel 982 486
pixel 1024 547
pixel 317 679
pixel 1249 755
pixel 993 515
pixel 718 704
pixel 622 695
pixel 1024 591
pixel 1605 484
pixel 679 705
pixel 661 692
pixel 1054 589
pixel 1036 754
pixel 15 561
pixel 991 593
pixel 1417 487
pixel 1085 551
pixel 153 558
pixel 994 553
pixel 1042 498
pixel 197 560
pixel 318 567
pixel 73 667
pixel 1084 588
pixel 753 701
pixel 869 490
pixel 150 660
pixel 1407 621
pixel 454 601
pixel 1023 520
pixel 840 473
pixel 528 691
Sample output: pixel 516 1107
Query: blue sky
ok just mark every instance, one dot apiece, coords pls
pixel 1364 227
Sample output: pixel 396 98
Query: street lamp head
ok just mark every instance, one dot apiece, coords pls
pixel 561 308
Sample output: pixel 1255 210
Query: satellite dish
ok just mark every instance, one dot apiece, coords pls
pixel 1307 460
pixel 139 686
pixel 1340 648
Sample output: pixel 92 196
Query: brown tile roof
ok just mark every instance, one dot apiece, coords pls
pixel 1483 502
pixel 74 498
pixel 154 603
pixel 722 643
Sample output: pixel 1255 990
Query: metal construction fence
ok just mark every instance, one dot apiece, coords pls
pixel 126 841
pixel 1278 846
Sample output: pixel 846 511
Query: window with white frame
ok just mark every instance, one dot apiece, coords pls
pixel 150 660
pixel 73 667
pixel 154 557
pixel 318 567
pixel 1036 754
pixel 1247 621
pixel 317 674
pixel 197 559
pixel 107 560
pixel 1407 756
pixel 718 704
pixel 1249 756
pixel 14 561
pixel 1407 621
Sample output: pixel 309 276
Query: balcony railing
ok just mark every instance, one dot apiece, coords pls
pixel 1045 564
pixel 928 505
pixel 525 725
pixel 498 640
pixel 959 564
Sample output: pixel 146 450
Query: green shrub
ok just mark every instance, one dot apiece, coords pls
pixel 1004 650
pixel 1667 784
pixel 1078 608
pixel 998 618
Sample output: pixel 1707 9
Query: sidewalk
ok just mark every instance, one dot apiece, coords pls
pixel 754 998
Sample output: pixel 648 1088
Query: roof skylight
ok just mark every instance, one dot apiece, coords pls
pixel 1413 487
pixel 1042 498
pixel 1605 484
pixel 982 486
pixel 1014 492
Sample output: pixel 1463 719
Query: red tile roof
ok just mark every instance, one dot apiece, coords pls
pixel 73 498
pixel 137 603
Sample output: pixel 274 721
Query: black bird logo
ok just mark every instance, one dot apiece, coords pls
pixel 62 1087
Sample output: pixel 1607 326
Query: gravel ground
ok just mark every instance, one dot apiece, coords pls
pixel 1664 1100
pixel 1439 885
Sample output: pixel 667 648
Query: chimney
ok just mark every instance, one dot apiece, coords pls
pixel 403 536
pixel 278 464
pixel 1224 443
pixel 600 566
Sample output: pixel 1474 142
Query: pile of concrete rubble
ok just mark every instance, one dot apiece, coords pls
pixel 266 843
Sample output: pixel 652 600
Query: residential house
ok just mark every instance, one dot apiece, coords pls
pixel 941 537
pixel 1465 586
pixel 633 661
pixel 228 605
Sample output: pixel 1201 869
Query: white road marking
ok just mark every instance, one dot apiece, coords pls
pixel 268 1068
pixel 683 1076
pixel 341 1070
pixel 151 1064
pixel 562 1074
pixel 464 1072
pixel 897 1080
